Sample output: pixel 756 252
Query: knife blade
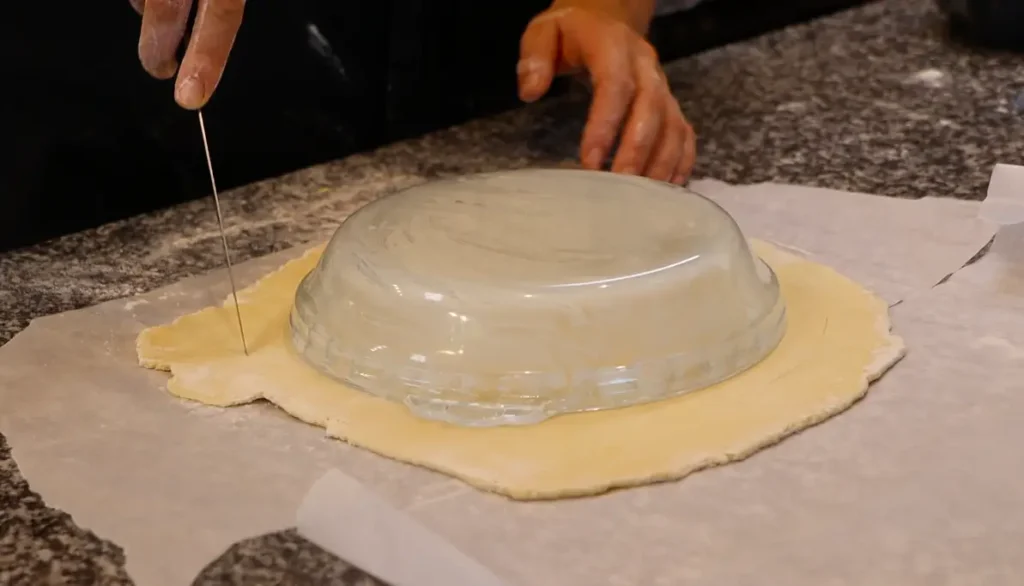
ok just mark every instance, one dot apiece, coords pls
pixel 223 235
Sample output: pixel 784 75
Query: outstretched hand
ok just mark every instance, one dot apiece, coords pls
pixel 632 100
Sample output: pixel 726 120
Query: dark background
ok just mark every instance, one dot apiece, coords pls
pixel 92 139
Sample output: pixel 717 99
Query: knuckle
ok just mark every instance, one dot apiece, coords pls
pixel 646 50
pixel 602 134
pixel 532 29
pixel 667 87
pixel 618 85
pixel 646 129
pixel 617 82
pixel 671 152
pixel 682 127
pixel 651 77
pixel 654 100
pixel 679 121
pixel 625 86
pixel 668 159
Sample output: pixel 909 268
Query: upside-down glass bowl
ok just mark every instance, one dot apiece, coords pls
pixel 512 297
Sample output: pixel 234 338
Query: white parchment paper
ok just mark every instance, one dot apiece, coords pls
pixel 921 483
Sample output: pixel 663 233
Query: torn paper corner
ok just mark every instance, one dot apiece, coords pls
pixel 1003 207
pixel 1004 202
pixel 350 521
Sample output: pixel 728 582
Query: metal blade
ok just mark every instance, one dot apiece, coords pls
pixel 223 236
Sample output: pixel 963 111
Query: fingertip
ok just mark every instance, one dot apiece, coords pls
pixel 684 170
pixel 623 167
pixel 535 78
pixel 527 93
pixel 189 92
pixel 532 89
pixel 538 51
pixel 593 159
pixel 153 64
pixel 598 142
pixel 160 70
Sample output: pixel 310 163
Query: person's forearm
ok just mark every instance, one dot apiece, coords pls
pixel 635 13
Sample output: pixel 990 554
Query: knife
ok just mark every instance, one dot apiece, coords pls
pixel 223 236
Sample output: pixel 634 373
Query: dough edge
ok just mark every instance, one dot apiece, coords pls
pixel 890 350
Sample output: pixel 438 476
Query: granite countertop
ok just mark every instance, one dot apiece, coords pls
pixel 874 99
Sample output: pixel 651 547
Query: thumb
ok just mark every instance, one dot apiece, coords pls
pixel 538 52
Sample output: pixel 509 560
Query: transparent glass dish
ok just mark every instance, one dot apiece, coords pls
pixel 511 297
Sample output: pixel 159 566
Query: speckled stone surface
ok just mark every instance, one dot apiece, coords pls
pixel 873 100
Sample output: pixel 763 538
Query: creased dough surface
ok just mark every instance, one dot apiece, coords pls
pixel 838 340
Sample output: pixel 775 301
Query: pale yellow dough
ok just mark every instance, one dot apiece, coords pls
pixel 838 341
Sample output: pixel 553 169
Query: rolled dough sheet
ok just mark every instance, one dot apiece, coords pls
pixel 838 340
